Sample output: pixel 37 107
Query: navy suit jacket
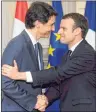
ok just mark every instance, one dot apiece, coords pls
pixel 74 80
pixel 20 95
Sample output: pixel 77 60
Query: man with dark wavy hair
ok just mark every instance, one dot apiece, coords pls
pixel 27 51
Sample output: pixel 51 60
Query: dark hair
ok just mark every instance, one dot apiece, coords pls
pixel 80 21
pixel 38 11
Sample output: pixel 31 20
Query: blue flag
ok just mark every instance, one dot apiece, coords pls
pixel 56 49
pixel 90 13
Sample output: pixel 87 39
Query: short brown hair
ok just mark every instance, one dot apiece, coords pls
pixel 80 21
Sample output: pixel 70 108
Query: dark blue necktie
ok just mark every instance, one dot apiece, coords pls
pixel 37 53
pixel 36 50
pixel 69 54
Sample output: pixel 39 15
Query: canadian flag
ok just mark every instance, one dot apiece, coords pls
pixel 21 9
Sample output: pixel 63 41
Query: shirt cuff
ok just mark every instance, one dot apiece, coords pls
pixel 29 77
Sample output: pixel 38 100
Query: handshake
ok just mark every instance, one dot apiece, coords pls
pixel 42 103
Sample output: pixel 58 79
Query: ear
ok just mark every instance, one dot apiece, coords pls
pixel 77 31
pixel 37 23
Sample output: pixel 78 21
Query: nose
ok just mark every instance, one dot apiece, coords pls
pixel 59 31
pixel 53 27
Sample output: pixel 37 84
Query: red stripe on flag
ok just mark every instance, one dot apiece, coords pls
pixel 21 9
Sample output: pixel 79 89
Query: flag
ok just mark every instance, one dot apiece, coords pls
pixel 90 13
pixel 21 9
pixel 56 49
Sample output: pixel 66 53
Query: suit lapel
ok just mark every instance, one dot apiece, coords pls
pixel 79 48
pixel 41 57
pixel 30 49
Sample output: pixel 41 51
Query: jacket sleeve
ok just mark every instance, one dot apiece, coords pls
pixel 76 65
pixel 10 87
pixel 53 93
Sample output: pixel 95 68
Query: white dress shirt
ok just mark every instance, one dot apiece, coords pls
pixel 34 41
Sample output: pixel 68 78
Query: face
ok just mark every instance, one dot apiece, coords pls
pixel 66 31
pixel 44 30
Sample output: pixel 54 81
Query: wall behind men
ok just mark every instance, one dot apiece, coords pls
pixel 8 12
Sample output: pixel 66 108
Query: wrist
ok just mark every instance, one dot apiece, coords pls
pixel 21 76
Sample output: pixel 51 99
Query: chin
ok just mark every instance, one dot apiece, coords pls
pixel 63 42
pixel 47 36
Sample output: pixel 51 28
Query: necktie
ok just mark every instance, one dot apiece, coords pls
pixel 69 53
pixel 38 57
pixel 36 50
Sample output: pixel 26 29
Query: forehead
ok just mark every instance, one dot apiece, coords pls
pixel 67 22
pixel 51 20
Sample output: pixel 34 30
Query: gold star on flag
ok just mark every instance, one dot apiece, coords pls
pixel 50 50
pixel 57 36
pixel 48 66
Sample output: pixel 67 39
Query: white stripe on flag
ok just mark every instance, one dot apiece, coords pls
pixel 19 26
pixel 90 37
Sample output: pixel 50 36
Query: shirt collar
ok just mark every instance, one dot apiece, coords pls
pixel 73 48
pixel 33 40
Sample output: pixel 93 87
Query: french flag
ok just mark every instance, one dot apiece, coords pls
pixel 90 13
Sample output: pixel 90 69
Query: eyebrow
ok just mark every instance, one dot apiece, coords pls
pixel 63 27
pixel 53 23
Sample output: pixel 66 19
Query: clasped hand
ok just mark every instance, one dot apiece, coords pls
pixel 42 103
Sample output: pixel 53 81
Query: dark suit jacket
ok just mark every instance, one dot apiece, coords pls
pixel 20 95
pixel 76 77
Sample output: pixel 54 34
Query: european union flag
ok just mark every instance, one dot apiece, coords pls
pixel 56 49
pixel 90 13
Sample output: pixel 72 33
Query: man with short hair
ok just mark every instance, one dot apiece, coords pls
pixel 21 96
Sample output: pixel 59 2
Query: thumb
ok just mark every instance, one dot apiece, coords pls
pixel 15 64
pixel 36 106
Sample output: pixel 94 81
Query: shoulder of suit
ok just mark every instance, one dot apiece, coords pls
pixel 88 47
pixel 16 44
pixel 86 50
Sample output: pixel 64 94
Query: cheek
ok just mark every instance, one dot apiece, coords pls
pixel 62 39
pixel 45 33
pixel 43 30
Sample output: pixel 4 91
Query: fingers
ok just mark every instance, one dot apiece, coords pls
pixel 42 108
pixel 6 66
pixel 6 69
pixel 6 73
pixel 9 71
pixel 43 97
pixel 42 102
pixel 15 64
